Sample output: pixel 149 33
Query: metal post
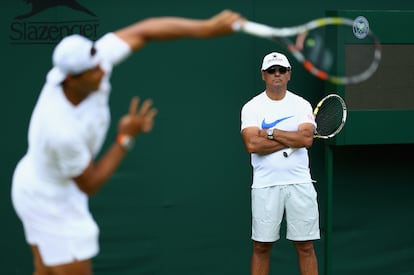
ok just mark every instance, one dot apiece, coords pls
pixel 328 209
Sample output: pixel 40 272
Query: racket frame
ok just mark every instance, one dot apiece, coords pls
pixel 275 34
pixel 289 151
pixel 344 116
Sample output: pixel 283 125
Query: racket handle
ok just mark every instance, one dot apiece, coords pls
pixel 253 28
pixel 289 151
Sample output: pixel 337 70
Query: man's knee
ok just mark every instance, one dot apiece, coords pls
pixel 262 248
pixel 305 247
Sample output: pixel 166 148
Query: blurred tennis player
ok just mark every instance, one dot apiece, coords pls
pixel 53 180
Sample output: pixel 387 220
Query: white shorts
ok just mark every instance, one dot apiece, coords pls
pixel 297 201
pixel 57 249
pixel 60 237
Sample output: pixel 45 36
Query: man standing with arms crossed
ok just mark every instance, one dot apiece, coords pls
pixel 272 121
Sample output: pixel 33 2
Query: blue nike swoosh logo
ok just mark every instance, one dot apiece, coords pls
pixel 274 123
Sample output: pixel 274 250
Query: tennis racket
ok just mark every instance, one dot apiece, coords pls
pixel 330 116
pixel 320 43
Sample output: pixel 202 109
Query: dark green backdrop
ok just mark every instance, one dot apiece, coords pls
pixel 180 202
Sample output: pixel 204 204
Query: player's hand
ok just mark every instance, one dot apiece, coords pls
pixel 138 119
pixel 223 22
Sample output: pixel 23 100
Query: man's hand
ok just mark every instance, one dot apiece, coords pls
pixel 223 22
pixel 138 119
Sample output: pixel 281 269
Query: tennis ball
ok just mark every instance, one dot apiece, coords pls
pixel 310 42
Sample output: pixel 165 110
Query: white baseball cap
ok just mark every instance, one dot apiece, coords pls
pixel 73 55
pixel 275 58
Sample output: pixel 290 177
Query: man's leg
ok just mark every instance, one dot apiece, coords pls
pixel 39 267
pixel 75 267
pixel 308 264
pixel 260 263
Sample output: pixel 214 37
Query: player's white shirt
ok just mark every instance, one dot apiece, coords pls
pixel 62 140
pixel 286 114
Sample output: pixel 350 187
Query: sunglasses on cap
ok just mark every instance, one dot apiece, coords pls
pixel 92 53
pixel 280 69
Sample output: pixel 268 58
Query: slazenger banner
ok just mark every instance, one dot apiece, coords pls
pixel 37 25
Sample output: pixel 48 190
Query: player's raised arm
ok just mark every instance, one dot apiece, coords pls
pixel 168 28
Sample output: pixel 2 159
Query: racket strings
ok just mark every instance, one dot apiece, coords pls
pixel 339 54
pixel 339 50
pixel 329 117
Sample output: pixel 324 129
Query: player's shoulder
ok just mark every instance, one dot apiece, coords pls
pixel 112 48
pixel 256 99
pixel 295 97
pixel 253 103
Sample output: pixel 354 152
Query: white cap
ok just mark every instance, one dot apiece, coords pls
pixel 273 59
pixel 73 55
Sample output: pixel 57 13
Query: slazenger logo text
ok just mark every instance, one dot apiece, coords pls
pixel 25 32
